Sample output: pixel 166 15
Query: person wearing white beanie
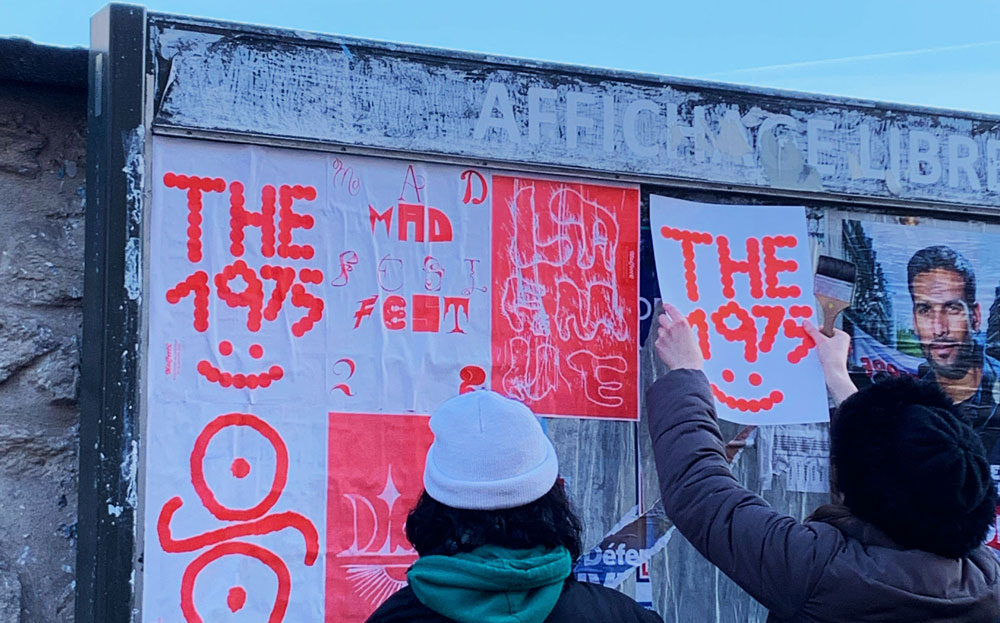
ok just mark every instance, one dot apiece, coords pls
pixel 494 529
pixel 489 452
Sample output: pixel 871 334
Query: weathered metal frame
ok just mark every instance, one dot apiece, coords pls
pixel 112 327
pixel 562 75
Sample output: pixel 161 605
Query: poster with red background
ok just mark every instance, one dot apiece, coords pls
pixel 376 468
pixel 565 296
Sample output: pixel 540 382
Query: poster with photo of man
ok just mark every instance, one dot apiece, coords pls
pixel 927 304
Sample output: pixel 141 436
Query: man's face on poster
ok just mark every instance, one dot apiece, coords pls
pixel 944 321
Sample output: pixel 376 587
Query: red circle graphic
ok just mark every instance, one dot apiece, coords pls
pixel 198 469
pixel 236 599
pixel 240 467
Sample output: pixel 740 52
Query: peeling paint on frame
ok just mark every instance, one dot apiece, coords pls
pixel 408 99
pixel 133 269
pixel 134 169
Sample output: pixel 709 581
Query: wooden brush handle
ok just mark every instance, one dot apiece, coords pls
pixel 831 307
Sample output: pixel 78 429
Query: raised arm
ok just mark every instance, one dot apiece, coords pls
pixel 832 353
pixel 775 558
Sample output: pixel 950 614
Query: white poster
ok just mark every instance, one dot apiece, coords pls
pixel 307 311
pixel 743 277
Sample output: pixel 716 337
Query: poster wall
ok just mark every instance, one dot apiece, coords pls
pixel 927 304
pixel 307 311
pixel 743 277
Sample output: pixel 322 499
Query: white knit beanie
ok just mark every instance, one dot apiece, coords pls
pixel 489 452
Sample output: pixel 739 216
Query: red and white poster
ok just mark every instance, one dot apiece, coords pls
pixel 307 312
pixel 565 296
pixel 743 276
pixel 376 476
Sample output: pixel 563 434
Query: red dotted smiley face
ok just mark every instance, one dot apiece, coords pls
pixel 240 380
pixel 754 405
pixel 754 343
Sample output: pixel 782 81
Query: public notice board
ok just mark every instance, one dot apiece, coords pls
pixel 307 312
pixel 299 244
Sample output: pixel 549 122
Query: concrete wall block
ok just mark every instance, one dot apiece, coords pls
pixel 43 263
pixel 57 374
pixel 42 176
pixel 38 473
pixel 30 452
pixel 22 342
pixel 21 143
pixel 10 597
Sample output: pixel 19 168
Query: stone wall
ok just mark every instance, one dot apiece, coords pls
pixel 42 174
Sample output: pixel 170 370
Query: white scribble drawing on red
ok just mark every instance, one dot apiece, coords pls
pixel 385 571
pixel 564 249
pixel 533 370
pixel 593 371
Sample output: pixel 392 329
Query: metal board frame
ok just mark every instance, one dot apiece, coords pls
pixel 112 326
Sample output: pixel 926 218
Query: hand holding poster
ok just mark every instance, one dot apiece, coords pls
pixel 742 275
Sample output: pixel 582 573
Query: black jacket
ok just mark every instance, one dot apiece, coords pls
pixel 579 603
pixel 832 568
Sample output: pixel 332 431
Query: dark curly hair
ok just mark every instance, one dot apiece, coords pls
pixel 906 462
pixel 549 521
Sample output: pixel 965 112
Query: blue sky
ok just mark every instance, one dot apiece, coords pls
pixel 929 53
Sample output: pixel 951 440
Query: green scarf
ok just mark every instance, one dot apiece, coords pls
pixel 492 584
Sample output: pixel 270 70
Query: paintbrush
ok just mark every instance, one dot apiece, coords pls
pixel 834 288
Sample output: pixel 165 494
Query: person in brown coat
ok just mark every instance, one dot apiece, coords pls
pixel 913 500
